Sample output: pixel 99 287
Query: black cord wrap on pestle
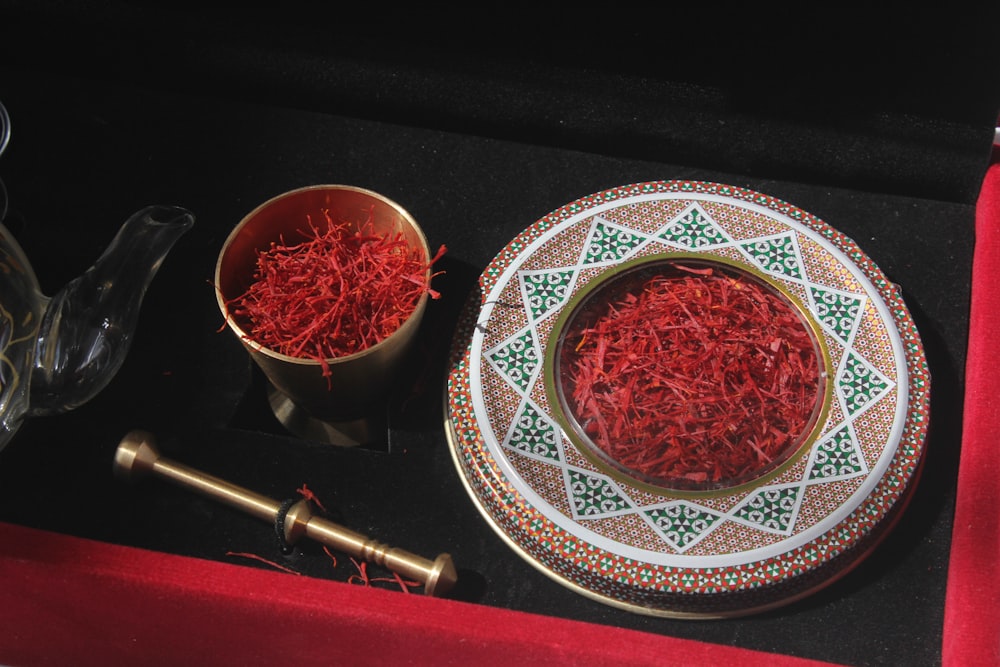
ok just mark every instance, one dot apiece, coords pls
pixel 279 525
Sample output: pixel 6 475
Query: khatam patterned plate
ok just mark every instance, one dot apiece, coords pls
pixel 657 551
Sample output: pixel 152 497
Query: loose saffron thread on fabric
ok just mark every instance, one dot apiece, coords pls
pixel 363 578
pixel 334 294
pixel 261 559
pixel 699 376
pixel 360 577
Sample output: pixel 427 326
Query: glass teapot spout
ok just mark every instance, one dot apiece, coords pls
pixel 86 330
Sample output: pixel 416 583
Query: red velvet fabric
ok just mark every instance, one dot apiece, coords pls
pixel 70 601
pixel 972 609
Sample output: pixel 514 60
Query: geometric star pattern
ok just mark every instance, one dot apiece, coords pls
pixel 681 523
pixel 771 509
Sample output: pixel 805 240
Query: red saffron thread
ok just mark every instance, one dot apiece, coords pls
pixel 363 578
pixel 404 585
pixel 334 294
pixel 362 575
pixel 308 494
pixel 242 554
pixel 698 376
pixel 329 553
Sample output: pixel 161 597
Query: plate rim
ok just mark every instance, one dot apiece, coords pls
pixel 912 361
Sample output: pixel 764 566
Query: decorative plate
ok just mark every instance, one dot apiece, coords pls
pixel 716 551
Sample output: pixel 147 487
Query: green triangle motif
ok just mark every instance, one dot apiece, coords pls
pixel 836 457
pixel 594 496
pixel 839 312
pixel 771 508
pixel 859 384
pixel 694 229
pixel 517 359
pixel 609 243
pixel 532 433
pixel 681 523
pixel 775 255
pixel 544 291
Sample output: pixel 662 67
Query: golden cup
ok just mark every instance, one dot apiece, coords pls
pixel 345 407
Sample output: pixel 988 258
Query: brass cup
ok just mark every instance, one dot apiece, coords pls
pixel 341 411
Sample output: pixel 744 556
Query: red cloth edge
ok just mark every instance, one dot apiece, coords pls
pixel 972 607
pixel 68 600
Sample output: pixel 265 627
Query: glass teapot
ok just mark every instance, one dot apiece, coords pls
pixel 57 353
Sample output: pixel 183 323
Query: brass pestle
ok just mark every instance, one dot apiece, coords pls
pixel 137 456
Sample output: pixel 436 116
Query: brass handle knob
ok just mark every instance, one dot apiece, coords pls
pixel 137 456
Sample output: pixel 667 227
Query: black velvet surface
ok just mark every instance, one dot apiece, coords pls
pixel 477 147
